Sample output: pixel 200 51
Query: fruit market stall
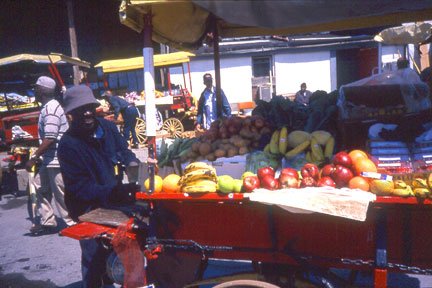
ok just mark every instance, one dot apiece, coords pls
pixel 207 213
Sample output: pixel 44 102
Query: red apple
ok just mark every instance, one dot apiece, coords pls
pixel 342 158
pixel 269 182
pixel 327 170
pixel 250 183
pixel 310 170
pixel 288 181
pixel 307 182
pixel 341 176
pixel 326 181
pixel 289 171
pixel 265 171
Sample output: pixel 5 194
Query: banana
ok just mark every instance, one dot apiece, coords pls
pixel 283 144
pixel 321 136
pixel 403 192
pixel 419 183
pixel 274 142
pixel 421 192
pixel 400 184
pixel 200 188
pixel 198 165
pixel 329 147
pixel 316 150
pixel 429 180
pixel 308 157
pixel 300 148
pixel 267 148
pixel 197 175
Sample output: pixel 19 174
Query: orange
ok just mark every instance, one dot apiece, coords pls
pixel 355 154
pixel 158 184
pixel 171 184
pixel 359 182
pixel 364 165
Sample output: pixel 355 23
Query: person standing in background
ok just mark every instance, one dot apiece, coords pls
pixel 129 113
pixel 207 106
pixel 49 181
pixel 302 96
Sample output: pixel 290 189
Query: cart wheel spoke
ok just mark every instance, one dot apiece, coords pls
pixel 140 130
pixel 173 127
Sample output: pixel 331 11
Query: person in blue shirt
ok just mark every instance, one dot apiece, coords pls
pixel 88 154
pixel 207 108
pixel 129 113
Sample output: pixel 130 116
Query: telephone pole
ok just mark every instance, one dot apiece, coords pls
pixel 73 41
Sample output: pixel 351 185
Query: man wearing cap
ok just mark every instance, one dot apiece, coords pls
pixel 48 181
pixel 208 107
pixel 90 154
pixel 129 113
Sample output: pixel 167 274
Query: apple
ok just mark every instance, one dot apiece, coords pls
pixel 288 181
pixel 250 183
pixel 308 182
pixel 327 170
pixel 247 173
pixel 342 175
pixel 238 186
pixel 326 181
pixel 226 184
pixel 342 158
pixel 289 171
pixel 310 170
pixel 265 171
pixel 269 182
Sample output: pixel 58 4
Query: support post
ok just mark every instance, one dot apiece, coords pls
pixel 217 65
pixel 150 103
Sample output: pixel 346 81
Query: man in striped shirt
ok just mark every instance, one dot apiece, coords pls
pixel 48 181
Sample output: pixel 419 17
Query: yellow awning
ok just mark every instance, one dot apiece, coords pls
pixel 44 59
pixel 138 62
pixel 184 24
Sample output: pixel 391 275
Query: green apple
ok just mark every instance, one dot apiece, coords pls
pixel 226 184
pixel 238 185
pixel 247 173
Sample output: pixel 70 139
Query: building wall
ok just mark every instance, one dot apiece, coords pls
pixel 292 69
pixel 316 68
pixel 236 74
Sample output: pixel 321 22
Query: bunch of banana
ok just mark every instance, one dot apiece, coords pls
pixel 315 152
pixel 198 177
pixel 402 189
pixel 421 188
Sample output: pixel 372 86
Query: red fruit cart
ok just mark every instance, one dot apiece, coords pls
pixel 393 238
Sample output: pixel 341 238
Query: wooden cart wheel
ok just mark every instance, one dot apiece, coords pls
pixel 174 127
pixel 140 129
pixel 245 283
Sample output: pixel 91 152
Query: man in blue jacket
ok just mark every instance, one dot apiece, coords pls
pixel 129 113
pixel 88 154
pixel 207 107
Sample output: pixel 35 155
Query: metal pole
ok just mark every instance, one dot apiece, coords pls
pixel 217 66
pixel 150 103
pixel 379 58
pixel 190 79
pixel 73 41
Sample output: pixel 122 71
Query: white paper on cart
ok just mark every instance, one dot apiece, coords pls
pixel 348 203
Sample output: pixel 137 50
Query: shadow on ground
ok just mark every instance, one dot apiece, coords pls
pixel 17 280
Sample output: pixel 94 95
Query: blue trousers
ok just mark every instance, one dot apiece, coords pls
pixel 93 263
pixel 130 116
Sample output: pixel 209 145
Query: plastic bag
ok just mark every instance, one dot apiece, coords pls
pixel 390 93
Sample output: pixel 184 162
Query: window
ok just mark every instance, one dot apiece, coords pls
pixel 261 66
